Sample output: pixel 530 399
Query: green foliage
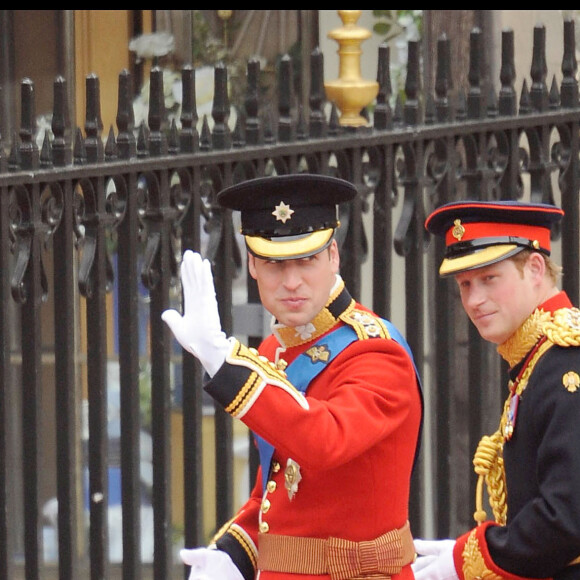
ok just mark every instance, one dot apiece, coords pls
pixel 398 27
pixel 393 23
pixel 206 48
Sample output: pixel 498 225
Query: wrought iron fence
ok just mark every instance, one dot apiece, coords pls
pixel 98 408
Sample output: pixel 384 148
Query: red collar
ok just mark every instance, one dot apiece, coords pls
pixel 558 301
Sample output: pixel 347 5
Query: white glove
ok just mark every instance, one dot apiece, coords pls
pixel 209 564
pixel 199 330
pixel 435 560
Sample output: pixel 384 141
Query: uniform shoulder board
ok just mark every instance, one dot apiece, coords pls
pixel 564 327
pixel 365 324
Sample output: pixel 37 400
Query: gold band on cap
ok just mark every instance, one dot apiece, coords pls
pixel 303 246
pixel 477 259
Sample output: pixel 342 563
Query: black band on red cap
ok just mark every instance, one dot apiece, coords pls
pixel 479 233
pixel 461 248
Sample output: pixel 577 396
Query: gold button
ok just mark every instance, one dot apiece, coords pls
pixel 265 505
pixel 271 486
pixel 275 467
pixel 264 527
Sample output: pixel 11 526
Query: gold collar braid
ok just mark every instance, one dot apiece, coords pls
pixel 525 337
pixel 562 328
pixel 339 303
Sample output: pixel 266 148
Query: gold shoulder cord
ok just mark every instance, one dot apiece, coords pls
pixel 488 459
pixel 488 463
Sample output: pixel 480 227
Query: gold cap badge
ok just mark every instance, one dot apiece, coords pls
pixel 458 230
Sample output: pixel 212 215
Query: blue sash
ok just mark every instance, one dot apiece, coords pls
pixel 303 369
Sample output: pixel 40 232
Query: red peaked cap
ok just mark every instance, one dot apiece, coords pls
pixel 480 233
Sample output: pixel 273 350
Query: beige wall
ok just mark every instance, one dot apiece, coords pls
pixel 521 21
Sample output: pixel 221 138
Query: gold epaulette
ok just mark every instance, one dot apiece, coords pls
pixel 564 327
pixel 365 324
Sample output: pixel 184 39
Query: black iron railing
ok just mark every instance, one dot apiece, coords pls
pixel 91 233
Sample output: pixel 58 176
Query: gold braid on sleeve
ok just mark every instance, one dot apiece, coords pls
pixel 474 567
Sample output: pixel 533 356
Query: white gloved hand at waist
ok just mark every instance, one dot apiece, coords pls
pixel 210 564
pixel 435 561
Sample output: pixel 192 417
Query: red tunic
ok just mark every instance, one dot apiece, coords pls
pixel 353 438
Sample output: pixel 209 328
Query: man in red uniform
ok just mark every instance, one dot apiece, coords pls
pixel 498 253
pixel 332 396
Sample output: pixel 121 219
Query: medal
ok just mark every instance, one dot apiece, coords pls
pixel 292 477
pixel 512 411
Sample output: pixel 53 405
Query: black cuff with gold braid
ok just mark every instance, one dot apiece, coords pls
pixel 235 384
pixel 241 556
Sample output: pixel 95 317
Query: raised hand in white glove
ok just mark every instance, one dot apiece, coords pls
pixel 209 564
pixel 435 561
pixel 199 330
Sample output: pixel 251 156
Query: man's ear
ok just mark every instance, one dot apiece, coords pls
pixel 334 255
pixel 537 265
pixel 252 265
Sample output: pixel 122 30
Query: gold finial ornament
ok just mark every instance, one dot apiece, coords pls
pixel 224 16
pixel 350 92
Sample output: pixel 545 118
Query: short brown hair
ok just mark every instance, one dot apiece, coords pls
pixel 554 270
